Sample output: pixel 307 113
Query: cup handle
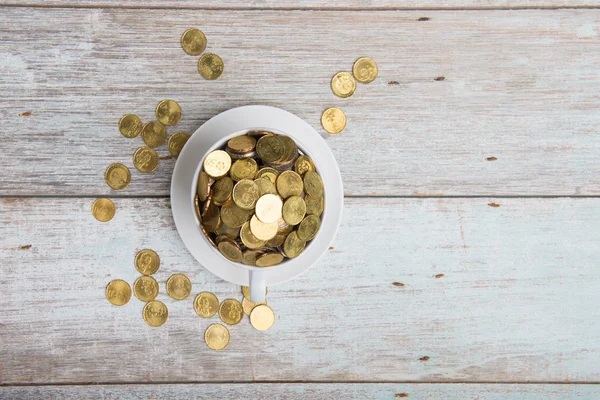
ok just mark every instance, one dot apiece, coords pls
pixel 258 286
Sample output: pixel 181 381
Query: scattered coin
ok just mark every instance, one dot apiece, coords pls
pixel 179 286
pixel 117 176
pixel 193 42
pixel 147 262
pixel 176 143
pixel 155 313
pixel 231 312
pixel 333 120
pixel 145 159
pixel 365 70
pixel 262 317
pixel 154 134
pixel 130 125
pixel 145 288
pixel 210 66
pixel 168 112
pixel 216 336
pixel 247 305
pixel 206 304
pixel 118 292
pixel 103 209
pixel 343 84
pixel 217 163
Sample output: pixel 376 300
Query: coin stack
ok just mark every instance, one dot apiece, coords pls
pixel 259 201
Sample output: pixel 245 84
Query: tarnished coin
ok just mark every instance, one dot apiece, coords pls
pixel 210 66
pixel 154 134
pixel 217 164
pixel 231 311
pixel 232 233
pixel 155 313
pixel 262 230
pixel 242 144
pixel 262 317
pixel 203 187
pixel 216 336
pixel 245 168
pixel 117 176
pixel 265 185
pixel 118 292
pixel 234 216
pixel 365 70
pixel 309 227
pixel 145 288
pixel 303 164
pixel 211 217
pixel 193 42
pixel 246 292
pixel 130 125
pixel 206 304
pixel 147 262
pixel 246 194
pixel 293 245
pixel 222 190
pixel 249 256
pixel 247 305
pixel 176 143
pixel 314 205
pixel 168 112
pixel 271 148
pixel 269 172
pixel 313 185
pixel 145 159
pixel 269 208
pixel 230 250
pixel 343 84
pixel 269 259
pixel 179 286
pixel 289 184
pixel 277 240
pixel 248 238
pixel 103 209
pixel 333 120
pixel 294 210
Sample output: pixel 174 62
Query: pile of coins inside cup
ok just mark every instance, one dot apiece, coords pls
pixel 259 199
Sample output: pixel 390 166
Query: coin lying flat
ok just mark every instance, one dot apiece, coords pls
pixel 263 230
pixel 216 336
pixel 245 168
pixel 103 209
pixel 154 134
pixel 289 184
pixel 155 313
pixel 248 238
pixel 130 125
pixel 247 305
pixel 268 208
pixel 230 250
pixel 242 144
pixel 294 210
pixel 118 292
pixel 193 42
pixel 269 172
pixel 179 286
pixel 262 317
pixel 269 259
pixel 117 176
pixel 176 143
pixel 168 112
pixel 313 185
pixel 343 84
pixel 365 70
pixel 145 159
pixel 210 66
pixel 303 164
pixel 309 227
pixel 231 311
pixel 293 245
pixel 233 216
pixel 217 164
pixel 147 262
pixel 145 288
pixel 333 120
pixel 314 205
pixel 206 304
pixel 246 194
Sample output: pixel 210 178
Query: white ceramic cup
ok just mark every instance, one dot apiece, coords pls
pixel 213 135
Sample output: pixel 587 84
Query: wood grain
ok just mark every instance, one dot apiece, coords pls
pixel 422 290
pixel 314 391
pixel 520 87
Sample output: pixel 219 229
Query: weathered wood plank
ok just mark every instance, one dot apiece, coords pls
pixel 506 293
pixel 520 86
pixel 314 391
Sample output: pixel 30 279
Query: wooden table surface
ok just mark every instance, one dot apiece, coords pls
pixel 467 262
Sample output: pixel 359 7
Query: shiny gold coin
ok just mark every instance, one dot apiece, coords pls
pixel 145 159
pixel 242 144
pixel 303 164
pixel 168 112
pixel 217 337
pixel 269 172
pixel 261 230
pixel 271 148
pixel 145 288
pixel 118 292
pixel 343 84
pixel 365 70
pixel 193 42
pixel 269 208
pixel 203 185
pixel 246 292
pixel 294 210
pixel 314 205
pixel 179 286
pixel 289 184
pixel 230 250
pixel 249 256
pixel 234 216
pixel 154 134
pixel 231 311
pixel 211 217
pixel 206 304
pixel 210 66
pixel 247 305
pixel 217 164
pixel 222 190
pixel 117 176
pixel 246 194
pixel 130 125
pixel 269 259
pixel 103 209
pixel 333 120
pixel 155 313
pixel 248 238
pixel 309 227
pixel 232 233
pixel 176 143
pixel 147 262
pixel 277 240
pixel 265 185
pixel 262 317
pixel 245 168
pixel 313 185
pixel 293 245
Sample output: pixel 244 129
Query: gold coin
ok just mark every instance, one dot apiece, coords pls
pixel 271 148
pixel 313 185
pixel 221 190
pixel 309 227
pixel 333 120
pixel 269 259
pixel 193 42
pixel 314 205
pixel 265 185
pixel 284 227
pixel 176 143
pixel 293 245
pixel 210 66
pixel 206 304
pixel 179 286
pixel 118 292
pixel 245 168
pixel 290 150
pixel 145 159
pixel 242 144
pixel 117 176
pixel 289 184
pixel 343 84
pixel 261 230
pixel 168 112
pixel 294 210
pixel 154 134
pixel 103 209
pixel 246 292
pixel 216 336
pixel 145 288
pixel 155 313
pixel 303 164
pixel 230 250
pixel 231 311
pixel 231 233
pixel 211 217
pixel 130 125
pixel 249 257
pixel 234 216
pixel 217 164
pixel 268 208
pixel 277 240
pixel 269 172
pixel 147 262
pixel 248 238
pixel 262 317
pixel 245 194
pixel 365 70
pixel 203 187
pixel 197 208
pixel 247 305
